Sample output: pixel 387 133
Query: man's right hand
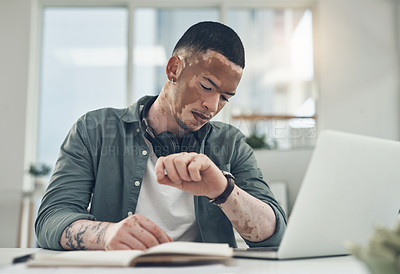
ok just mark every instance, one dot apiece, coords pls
pixel 134 232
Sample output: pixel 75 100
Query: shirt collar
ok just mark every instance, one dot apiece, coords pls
pixel 132 113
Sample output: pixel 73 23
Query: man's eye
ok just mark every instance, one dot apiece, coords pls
pixel 224 98
pixel 203 86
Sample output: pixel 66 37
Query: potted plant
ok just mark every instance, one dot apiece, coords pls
pixel 257 141
pixel 39 172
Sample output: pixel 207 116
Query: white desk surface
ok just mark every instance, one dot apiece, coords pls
pixel 342 265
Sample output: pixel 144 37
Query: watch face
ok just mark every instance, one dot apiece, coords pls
pixel 228 174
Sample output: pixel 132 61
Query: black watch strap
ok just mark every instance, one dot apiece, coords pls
pixel 228 190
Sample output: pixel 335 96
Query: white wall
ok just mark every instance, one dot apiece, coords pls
pixel 285 166
pixel 358 66
pixel 14 56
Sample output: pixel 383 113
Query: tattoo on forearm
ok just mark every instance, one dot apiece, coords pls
pixel 100 232
pixel 74 239
pixel 68 236
pixel 96 227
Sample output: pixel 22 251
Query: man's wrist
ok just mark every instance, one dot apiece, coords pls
pixel 228 190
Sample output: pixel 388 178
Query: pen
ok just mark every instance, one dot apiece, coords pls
pixel 22 259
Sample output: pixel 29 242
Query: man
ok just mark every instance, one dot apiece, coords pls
pixel 158 171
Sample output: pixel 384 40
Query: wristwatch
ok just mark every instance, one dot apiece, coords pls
pixel 228 190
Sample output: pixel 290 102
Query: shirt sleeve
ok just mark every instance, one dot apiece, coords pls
pixel 68 195
pixel 249 178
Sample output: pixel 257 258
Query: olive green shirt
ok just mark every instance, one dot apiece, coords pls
pixel 100 169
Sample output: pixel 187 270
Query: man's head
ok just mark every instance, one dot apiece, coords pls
pixel 203 73
pixel 213 36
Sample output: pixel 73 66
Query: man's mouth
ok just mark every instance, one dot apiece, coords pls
pixel 201 118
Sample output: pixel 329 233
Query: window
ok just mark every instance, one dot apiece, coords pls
pixel 278 81
pixel 85 66
pixel 84 59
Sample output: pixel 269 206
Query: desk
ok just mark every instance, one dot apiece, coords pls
pixel 343 264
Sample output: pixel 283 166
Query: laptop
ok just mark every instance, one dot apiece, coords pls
pixel 351 184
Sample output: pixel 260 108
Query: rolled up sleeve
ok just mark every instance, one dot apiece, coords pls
pixel 68 195
pixel 249 178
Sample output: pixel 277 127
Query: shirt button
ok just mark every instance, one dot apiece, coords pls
pixel 137 183
pixel 138 130
pixel 144 152
pixel 130 213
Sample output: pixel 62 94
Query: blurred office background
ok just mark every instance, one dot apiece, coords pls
pixel 310 65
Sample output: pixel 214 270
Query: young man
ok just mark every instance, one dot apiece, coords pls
pixel 159 170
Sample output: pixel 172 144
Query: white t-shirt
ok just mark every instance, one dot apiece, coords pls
pixel 170 208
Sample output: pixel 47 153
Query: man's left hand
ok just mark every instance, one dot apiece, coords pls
pixel 192 172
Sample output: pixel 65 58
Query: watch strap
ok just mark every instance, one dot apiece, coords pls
pixel 228 190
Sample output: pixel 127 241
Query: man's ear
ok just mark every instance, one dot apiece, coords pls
pixel 173 69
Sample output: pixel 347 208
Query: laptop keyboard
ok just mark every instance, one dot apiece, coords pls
pixel 250 249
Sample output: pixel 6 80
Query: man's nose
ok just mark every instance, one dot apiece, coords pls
pixel 211 102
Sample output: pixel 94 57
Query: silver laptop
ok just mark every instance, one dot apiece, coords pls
pixel 352 183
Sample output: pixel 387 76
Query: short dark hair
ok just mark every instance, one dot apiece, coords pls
pixel 214 36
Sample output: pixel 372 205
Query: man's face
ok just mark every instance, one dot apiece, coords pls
pixel 202 88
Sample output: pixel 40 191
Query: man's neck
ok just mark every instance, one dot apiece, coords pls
pixel 160 117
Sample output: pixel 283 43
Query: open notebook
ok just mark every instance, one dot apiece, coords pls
pixel 173 252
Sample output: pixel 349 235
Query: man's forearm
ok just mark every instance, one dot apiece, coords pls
pixel 84 234
pixel 252 218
